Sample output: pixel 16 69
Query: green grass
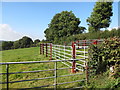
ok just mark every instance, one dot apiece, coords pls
pixel 32 54
pixel 104 81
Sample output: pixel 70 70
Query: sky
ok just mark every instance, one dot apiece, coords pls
pixel 32 18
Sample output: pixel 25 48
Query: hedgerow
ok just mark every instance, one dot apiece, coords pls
pixel 105 54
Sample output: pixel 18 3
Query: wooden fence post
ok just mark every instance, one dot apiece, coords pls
pixel 46 50
pixel 84 42
pixel 40 49
pixel 43 48
pixel 74 57
pixel 50 51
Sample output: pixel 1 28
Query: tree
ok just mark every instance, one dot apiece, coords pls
pixel 36 41
pixel 6 45
pixel 23 43
pixel 26 42
pixel 100 17
pixel 63 24
pixel 17 44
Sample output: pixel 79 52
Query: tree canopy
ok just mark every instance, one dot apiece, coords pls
pixel 100 17
pixel 7 45
pixel 23 43
pixel 63 24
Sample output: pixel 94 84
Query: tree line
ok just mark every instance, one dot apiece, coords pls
pixel 24 42
pixel 95 35
pixel 65 26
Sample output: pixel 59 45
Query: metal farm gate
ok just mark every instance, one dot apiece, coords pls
pixel 8 64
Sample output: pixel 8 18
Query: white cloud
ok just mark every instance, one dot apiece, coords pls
pixel 113 28
pixel 8 34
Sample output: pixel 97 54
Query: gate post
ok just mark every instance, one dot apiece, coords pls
pixel 46 50
pixel 50 51
pixel 74 57
pixel 7 76
pixel 43 48
pixel 40 49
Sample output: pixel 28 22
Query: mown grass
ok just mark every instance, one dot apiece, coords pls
pixel 32 54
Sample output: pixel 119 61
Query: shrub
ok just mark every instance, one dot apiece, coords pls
pixel 105 54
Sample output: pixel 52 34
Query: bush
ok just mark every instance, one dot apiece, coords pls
pixel 105 54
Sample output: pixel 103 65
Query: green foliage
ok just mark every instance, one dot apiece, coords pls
pixel 16 44
pixel 104 54
pixel 7 45
pixel 95 35
pixel 63 24
pixel 112 49
pixel 103 81
pixel 36 41
pixel 25 42
pixel 96 58
pixel 100 17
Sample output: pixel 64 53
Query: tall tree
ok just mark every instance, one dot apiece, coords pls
pixel 26 42
pixel 63 24
pixel 100 17
pixel 23 43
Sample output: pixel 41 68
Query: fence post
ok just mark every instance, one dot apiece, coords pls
pixel 40 49
pixel 46 50
pixel 95 42
pixel 84 41
pixel 50 51
pixel 84 48
pixel 43 48
pixel 7 76
pixel 86 68
pixel 73 56
pixel 55 73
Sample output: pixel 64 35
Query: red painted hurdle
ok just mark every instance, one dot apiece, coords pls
pixel 64 52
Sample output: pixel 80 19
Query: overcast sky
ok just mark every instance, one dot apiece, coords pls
pixel 32 18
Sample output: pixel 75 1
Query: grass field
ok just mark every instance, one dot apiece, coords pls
pixel 101 81
pixel 32 54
